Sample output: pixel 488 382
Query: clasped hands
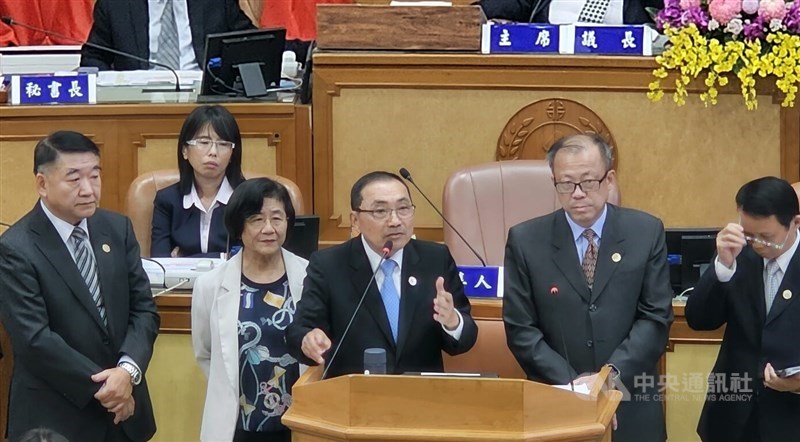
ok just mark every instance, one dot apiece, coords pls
pixel 116 393
pixel 316 342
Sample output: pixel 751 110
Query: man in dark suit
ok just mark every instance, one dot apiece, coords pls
pixel 567 11
pixel 415 308
pixel 753 290
pixel 138 27
pixel 588 286
pixel 77 306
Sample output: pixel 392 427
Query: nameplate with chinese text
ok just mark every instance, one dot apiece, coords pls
pixel 498 38
pixel 53 89
pixel 611 40
pixel 482 282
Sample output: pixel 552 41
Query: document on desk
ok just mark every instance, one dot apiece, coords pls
pixel 579 388
pixel 143 78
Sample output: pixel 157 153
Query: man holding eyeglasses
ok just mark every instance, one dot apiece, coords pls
pixel 414 309
pixel 752 289
pixel 588 286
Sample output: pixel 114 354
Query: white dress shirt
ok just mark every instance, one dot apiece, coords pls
pixel 565 12
pixel 156 9
pixel 374 262
pixel 193 199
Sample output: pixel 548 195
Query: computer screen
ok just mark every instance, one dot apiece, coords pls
pixel 303 239
pixel 243 63
pixel 689 252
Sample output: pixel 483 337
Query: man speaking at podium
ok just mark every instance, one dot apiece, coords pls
pixel 77 306
pixel 588 286
pixel 172 32
pixel 414 309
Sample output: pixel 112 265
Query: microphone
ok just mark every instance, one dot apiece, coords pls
pixel 554 293
pixel 535 10
pixel 407 175
pixel 375 361
pixel 386 250
pixel 11 22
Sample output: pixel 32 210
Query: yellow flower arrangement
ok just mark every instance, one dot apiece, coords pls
pixel 714 56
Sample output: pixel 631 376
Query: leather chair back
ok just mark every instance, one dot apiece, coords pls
pixel 142 193
pixel 484 201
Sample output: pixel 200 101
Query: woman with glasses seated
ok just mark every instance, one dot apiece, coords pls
pixel 187 216
pixel 240 311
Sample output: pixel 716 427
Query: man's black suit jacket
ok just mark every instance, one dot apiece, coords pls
pixel 520 10
pixel 752 338
pixel 623 319
pixel 336 278
pixel 57 335
pixel 125 26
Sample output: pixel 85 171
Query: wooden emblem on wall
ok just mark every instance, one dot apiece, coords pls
pixel 534 128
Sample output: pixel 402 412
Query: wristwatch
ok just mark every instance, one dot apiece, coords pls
pixel 136 375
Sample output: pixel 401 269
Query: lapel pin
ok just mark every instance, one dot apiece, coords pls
pixel 787 294
pixel 106 248
pixel 412 281
pixel 616 257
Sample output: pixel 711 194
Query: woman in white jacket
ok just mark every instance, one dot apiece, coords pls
pixel 240 311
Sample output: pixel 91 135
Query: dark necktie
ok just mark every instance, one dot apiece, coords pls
pixel 84 258
pixel 590 257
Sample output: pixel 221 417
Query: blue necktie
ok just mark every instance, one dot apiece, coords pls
pixel 391 299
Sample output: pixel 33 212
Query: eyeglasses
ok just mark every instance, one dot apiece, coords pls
pixel 403 212
pixel 204 144
pixel 765 243
pixel 258 222
pixel 568 187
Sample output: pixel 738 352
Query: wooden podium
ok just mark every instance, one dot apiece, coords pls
pixel 434 408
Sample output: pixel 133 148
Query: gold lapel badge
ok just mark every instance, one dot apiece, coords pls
pixel 106 248
pixel 787 294
pixel 412 281
pixel 616 257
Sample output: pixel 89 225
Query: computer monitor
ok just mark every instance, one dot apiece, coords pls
pixel 243 63
pixel 303 240
pixel 689 252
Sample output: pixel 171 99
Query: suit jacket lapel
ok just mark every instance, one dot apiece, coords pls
pixel 790 283
pixel 101 240
pixel 362 273
pixel 411 296
pixel 196 26
pixel 565 255
pixel 228 314
pixel 49 243
pixel 756 285
pixel 610 244
pixel 140 23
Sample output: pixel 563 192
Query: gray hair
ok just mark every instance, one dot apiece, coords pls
pixel 579 142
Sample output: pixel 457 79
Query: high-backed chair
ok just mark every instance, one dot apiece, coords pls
pixel 484 201
pixel 142 193
pixel 797 189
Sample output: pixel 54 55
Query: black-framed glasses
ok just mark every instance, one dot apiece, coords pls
pixel 568 187
pixel 204 144
pixel 403 212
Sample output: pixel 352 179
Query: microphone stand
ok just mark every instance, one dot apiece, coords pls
pixel 11 22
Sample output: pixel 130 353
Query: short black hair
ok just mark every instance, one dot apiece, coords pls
pixel 355 193
pixel 42 435
pixel 569 142
pixel 767 196
pixel 49 148
pixel 248 200
pixel 224 124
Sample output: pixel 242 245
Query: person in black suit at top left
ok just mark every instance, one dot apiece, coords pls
pixel 77 306
pixel 188 215
pixel 414 309
pixel 168 31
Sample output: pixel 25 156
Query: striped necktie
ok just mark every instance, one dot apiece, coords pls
pixel 84 258
pixel 168 49
pixel 773 282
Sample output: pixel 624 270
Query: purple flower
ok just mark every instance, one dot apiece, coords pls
pixel 670 15
pixel 792 18
pixel 755 29
pixel 695 15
